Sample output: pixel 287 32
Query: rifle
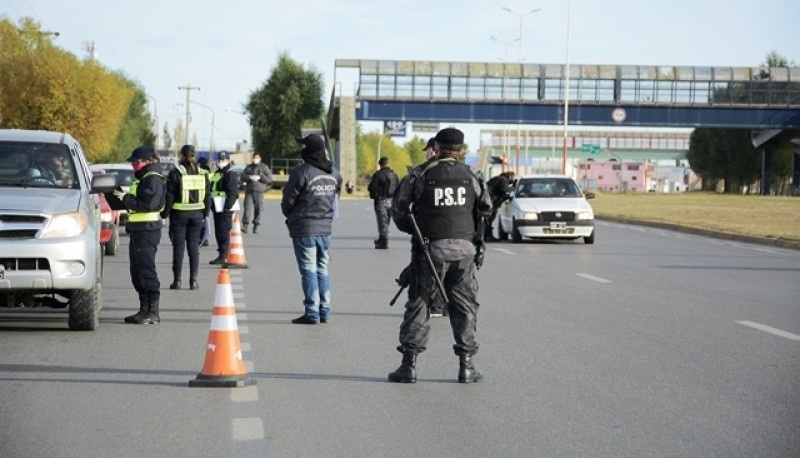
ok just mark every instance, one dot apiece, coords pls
pixel 426 250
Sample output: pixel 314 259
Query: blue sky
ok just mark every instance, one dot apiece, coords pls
pixel 228 48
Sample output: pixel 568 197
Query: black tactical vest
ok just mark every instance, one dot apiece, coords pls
pixel 445 210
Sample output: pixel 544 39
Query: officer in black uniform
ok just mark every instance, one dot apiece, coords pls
pixel 225 191
pixel 187 204
pixel 449 202
pixel 144 203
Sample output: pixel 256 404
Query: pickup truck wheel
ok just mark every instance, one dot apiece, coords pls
pixel 84 305
pixel 589 240
pixel 516 237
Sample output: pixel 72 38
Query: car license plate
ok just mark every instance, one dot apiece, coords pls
pixel 560 225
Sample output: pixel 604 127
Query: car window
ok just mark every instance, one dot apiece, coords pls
pixel 546 187
pixel 37 165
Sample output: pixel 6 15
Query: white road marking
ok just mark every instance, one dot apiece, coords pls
pixel 247 429
pixel 245 346
pixel 505 251
pixel 241 317
pixel 243 329
pixel 249 366
pixel 245 394
pixel 593 278
pixel 770 330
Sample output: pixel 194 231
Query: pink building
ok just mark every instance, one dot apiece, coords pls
pixel 614 176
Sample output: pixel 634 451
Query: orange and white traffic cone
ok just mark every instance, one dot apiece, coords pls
pixel 235 258
pixel 224 366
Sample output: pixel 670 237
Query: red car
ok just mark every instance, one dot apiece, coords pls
pixel 109 226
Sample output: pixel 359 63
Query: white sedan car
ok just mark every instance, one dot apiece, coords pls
pixel 547 206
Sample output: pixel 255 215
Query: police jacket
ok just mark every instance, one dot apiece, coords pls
pixel 383 184
pixel 448 198
pixel 264 182
pixel 145 199
pixel 499 186
pixel 224 184
pixel 309 200
pixel 188 193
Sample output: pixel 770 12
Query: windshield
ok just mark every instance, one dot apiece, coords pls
pixel 547 187
pixel 29 164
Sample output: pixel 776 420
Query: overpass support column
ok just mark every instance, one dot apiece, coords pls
pixel 347 139
pixel 766 170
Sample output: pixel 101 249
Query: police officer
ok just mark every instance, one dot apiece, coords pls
pixel 381 189
pixel 499 188
pixel 449 202
pixel 225 193
pixel 187 204
pixel 144 203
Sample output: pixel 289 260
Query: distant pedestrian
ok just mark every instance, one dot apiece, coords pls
pixel 144 202
pixel 381 189
pixel 257 180
pixel 309 203
pixel 225 194
pixel 187 204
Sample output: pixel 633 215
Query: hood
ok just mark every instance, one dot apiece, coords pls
pixel 548 204
pixel 39 200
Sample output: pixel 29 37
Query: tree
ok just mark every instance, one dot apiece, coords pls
pixel 136 127
pixel 277 110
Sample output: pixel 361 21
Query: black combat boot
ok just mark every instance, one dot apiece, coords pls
pixel 255 228
pixel 467 373
pixel 406 373
pixel 138 317
pixel 219 259
pixel 176 281
pixel 193 281
pixel 244 228
pixel 381 243
pixel 152 312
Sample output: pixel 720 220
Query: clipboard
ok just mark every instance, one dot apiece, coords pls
pixel 219 204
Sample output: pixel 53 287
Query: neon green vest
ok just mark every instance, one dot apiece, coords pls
pixel 190 183
pixel 143 217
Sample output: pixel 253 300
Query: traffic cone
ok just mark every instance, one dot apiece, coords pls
pixel 224 366
pixel 235 258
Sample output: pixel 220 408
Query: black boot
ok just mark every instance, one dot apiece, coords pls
pixel 467 373
pixel 219 259
pixel 381 243
pixel 138 317
pixel 193 281
pixel 406 373
pixel 255 228
pixel 152 312
pixel 176 281
pixel 244 228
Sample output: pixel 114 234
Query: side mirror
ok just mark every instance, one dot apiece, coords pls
pixel 589 195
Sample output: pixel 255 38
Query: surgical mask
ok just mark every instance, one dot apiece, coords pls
pixel 256 160
pixel 223 164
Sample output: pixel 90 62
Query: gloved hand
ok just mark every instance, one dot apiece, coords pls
pixel 480 251
pixel 119 193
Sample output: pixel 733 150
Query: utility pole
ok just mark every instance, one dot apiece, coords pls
pixel 188 88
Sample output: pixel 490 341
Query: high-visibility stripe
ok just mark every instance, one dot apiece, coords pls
pixel 224 323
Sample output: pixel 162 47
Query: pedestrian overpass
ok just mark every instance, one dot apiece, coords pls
pixel 766 100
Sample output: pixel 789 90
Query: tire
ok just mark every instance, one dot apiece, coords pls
pixel 113 244
pixel 84 305
pixel 516 237
pixel 589 240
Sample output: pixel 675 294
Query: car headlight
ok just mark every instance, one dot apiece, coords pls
pixel 585 215
pixel 531 216
pixel 65 225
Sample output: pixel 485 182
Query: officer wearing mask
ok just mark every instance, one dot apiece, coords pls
pixel 449 202
pixel 187 204
pixel 225 193
pixel 257 179
pixel 144 203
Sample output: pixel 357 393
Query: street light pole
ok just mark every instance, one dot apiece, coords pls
pixel 188 88
pixel 521 17
pixel 566 90
pixel 155 116
pixel 505 127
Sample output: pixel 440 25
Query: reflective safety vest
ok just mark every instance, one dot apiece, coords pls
pixel 215 178
pixel 193 188
pixel 143 217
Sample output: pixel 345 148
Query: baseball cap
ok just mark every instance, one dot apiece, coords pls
pixel 141 153
pixel 223 155
pixel 431 143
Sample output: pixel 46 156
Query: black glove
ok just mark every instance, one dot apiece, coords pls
pixel 480 252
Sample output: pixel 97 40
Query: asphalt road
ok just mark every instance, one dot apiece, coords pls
pixel 648 343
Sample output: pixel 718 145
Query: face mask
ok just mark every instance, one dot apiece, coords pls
pixel 138 166
pixel 222 164
pixel 256 160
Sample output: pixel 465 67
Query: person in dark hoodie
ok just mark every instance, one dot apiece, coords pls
pixel 310 203
pixel 144 202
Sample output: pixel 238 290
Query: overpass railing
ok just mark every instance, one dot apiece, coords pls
pixel 599 84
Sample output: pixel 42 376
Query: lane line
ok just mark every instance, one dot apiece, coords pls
pixel 770 330
pixel 247 429
pixel 593 278
pixel 245 394
pixel 505 251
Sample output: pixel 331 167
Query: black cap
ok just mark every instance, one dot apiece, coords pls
pixel 222 155
pixel 450 137
pixel 187 150
pixel 142 152
pixel 312 141
pixel 431 143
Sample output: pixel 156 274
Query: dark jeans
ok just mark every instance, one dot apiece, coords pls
pixel 223 222
pixel 142 256
pixel 185 233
